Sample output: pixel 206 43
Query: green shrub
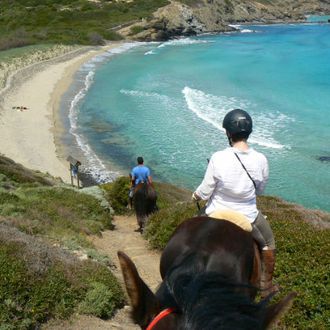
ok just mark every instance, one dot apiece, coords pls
pixel 95 39
pixel 99 301
pixel 19 174
pixel 39 282
pixel 117 194
pixel 161 224
pixel 112 35
pixel 136 29
pixel 69 22
pixel 58 213
pixel 169 195
pixel 192 2
pixel 302 263
pixel 8 197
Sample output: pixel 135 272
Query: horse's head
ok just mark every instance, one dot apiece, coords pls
pixel 183 302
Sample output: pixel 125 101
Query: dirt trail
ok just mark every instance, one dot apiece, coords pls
pixel 122 238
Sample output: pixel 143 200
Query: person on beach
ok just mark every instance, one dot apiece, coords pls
pixel 233 179
pixel 139 173
pixel 21 108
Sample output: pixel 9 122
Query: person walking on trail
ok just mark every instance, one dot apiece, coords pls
pixel 233 179
pixel 139 173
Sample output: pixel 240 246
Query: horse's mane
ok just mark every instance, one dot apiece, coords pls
pixel 208 300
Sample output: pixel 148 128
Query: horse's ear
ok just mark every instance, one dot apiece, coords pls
pixel 275 311
pixel 144 303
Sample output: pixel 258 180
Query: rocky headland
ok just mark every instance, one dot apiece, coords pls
pixel 192 17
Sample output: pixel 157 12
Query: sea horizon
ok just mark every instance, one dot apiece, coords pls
pixel 165 101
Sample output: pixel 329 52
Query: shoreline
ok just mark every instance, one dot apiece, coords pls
pixel 28 135
pixel 43 85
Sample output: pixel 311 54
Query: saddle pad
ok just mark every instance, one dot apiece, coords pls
pixel 235 217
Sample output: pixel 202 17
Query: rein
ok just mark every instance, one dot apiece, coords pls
pixel 160 316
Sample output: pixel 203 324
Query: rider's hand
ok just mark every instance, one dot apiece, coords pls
pixel 195 197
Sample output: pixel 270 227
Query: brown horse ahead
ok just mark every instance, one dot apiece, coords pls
pixel 210 270
pixel 144 201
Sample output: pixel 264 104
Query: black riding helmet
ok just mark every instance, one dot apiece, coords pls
pixel 237 122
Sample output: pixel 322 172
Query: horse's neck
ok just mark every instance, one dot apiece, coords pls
pixel 225 299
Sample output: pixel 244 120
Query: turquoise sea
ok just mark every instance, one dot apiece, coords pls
pixel 166 101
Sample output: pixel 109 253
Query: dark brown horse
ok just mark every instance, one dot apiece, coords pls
pixel 145 202
pixel 211 271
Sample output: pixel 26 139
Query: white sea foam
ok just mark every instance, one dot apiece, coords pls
pixel 150 52
pixel 212 109
pixel 73 113
pixel 235 26
pixel 143 94
pixel 247 31
pixel 184 42
pixel 208 107
pixel 94 164
pixel 241 29
pixel 124 47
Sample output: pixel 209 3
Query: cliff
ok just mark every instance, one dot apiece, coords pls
pixel 191 17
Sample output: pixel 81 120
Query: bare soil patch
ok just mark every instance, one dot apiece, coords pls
pixel 123 238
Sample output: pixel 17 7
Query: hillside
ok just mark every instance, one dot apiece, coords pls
pixel 93 22
pixel 24 22
pixel 51 267
pixel 190 17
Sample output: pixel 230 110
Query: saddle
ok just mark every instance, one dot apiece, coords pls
pixel 234 217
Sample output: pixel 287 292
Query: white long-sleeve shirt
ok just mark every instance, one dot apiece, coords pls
pixel 226 185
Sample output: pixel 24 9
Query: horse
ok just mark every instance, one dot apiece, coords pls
pixel 144 202
pixel 210 272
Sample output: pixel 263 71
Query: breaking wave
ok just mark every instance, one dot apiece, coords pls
pixel 212 109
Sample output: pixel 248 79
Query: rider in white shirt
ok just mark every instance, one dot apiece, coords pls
pixel 233 179
pixel 226 184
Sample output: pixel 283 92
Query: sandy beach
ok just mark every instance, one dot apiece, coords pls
pixel 28 111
